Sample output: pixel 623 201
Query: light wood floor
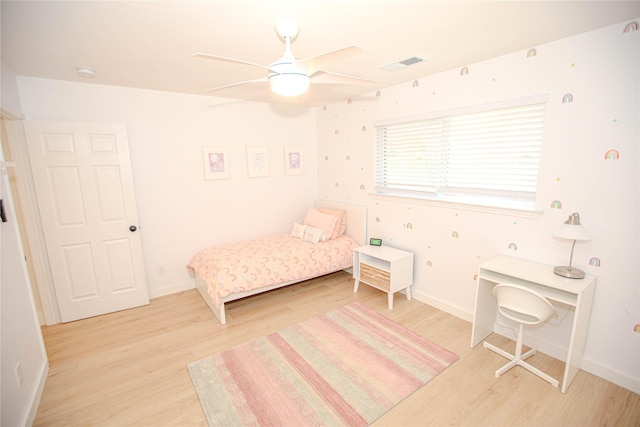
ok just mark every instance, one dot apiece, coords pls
pixel 129 368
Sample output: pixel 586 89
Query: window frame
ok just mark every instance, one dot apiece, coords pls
pixel 483 200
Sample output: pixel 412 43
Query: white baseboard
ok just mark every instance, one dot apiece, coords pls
pixel 37 396
pixel 168 290
pixel 611 375
pixel 546 347
pixel 532 341
pixel 444 306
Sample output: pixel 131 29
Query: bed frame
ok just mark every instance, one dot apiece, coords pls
pixel 356 228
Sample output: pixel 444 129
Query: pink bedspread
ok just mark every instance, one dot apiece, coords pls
pixel 254 264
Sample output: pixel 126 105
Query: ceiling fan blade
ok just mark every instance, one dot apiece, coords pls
pixel 315 63
pixel 263 80
pixel 234 60
pixel 336 78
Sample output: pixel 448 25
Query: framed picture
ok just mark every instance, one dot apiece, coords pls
pixel 293 161
pixel 216 162
pixel 257 162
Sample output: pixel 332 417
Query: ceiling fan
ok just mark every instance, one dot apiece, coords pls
pixel 292 77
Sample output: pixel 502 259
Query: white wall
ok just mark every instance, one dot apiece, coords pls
pixel 180 212
pixel 9 96
pixel 22 343
pixel 21 338
pixel 600 69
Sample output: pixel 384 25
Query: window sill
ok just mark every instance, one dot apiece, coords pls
pixel 463 204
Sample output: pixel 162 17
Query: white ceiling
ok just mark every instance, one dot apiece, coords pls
pixel 148 44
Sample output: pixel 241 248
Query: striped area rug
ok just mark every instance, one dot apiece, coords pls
pixel 345 367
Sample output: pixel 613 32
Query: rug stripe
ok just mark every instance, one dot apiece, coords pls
pixel 344 410
pixel 383 369
pixel 404 349
pixel 310 402
pixel 448 356
pixel 342 374
pixel 208 383
pixel 346 367
pixel 261 389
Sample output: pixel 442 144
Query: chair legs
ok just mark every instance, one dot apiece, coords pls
pixel 519 359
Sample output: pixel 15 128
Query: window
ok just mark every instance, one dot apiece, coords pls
pixel 486 155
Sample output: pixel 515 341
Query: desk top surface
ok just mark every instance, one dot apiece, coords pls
pixel 535 272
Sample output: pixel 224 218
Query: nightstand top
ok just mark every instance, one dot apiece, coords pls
pixel 386 253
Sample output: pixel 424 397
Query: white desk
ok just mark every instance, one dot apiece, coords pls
pixel 576 293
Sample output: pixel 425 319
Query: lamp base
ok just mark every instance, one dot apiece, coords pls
pixel 569 272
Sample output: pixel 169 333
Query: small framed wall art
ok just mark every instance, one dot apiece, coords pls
pixel 257 162
pixel 216 162
pixel 293 161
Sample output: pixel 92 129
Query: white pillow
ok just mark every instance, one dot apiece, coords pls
pixel 313 235
pixel 298 230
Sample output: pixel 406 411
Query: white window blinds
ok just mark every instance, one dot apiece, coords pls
pixel 488 154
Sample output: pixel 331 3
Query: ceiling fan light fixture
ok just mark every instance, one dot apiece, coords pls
pixel 291 77
pixel 289 85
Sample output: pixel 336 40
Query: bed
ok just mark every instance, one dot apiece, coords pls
pixel 227 273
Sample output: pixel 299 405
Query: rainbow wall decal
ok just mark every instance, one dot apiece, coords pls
pixel 531 53
pixel 513 246
pixel 337 132
pixel 378 93
pixel 349 101
pixel 631 26
pixel 636 328
pixel 429 264
pixel 556 204
pixel 455 234
pixel 377 219
pixel 362 186
pixel 326 157
pixel 594 262
pixel 464 71
pixel 567 98
pixel 409 226
pixel 415 83
pixel 612 155
pixel 364 128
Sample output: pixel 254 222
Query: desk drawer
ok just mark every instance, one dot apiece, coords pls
pixel 375 276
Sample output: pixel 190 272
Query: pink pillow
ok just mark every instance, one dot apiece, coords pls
pixel 342 221
pixel 326 223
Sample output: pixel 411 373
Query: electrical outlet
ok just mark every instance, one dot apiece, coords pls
pixel 19 376
pixel 161 269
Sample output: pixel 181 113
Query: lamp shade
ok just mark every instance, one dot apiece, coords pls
pixel 289 84
pixel 571 229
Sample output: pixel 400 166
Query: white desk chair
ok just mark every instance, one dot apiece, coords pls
pixel 527 307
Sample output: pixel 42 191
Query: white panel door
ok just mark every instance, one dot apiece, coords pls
pixel 85 194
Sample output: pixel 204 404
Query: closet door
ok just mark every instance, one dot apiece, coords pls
pixel 84 187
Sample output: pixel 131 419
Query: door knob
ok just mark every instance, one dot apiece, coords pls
pixel 133 228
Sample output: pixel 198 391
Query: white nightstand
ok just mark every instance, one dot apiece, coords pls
pixel 385 268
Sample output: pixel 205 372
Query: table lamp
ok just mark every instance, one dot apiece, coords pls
pixel 571 229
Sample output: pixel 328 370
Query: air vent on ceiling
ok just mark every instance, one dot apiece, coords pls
pixel 402 64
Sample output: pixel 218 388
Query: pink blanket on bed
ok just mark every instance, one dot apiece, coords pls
pixel 254 264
